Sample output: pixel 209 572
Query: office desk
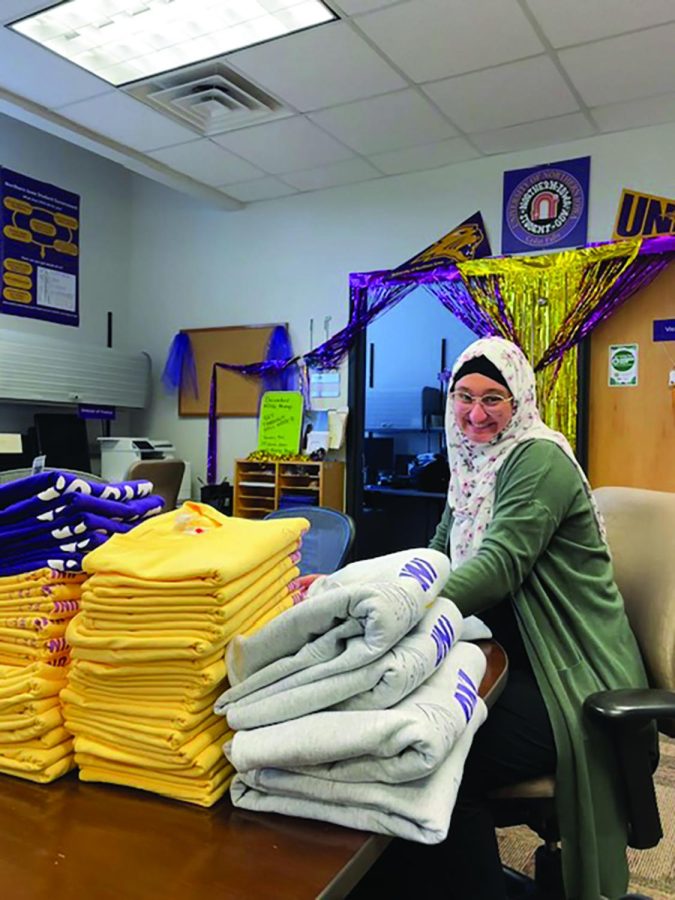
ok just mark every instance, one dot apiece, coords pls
pixel 76 841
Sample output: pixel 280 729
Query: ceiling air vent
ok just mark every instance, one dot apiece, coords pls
pixel 209 96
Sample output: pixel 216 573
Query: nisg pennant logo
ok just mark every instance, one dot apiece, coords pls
pixel 422 571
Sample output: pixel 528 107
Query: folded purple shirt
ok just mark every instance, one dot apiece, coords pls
pixel 84 542
pixel 59 560
pixel 55 518
pixel 126 501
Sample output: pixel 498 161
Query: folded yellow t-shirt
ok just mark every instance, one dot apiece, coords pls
pixel 203 793
pixel 193 759
pixel 38 725
pixel 51 773
pixel 27 759
pixel 44 576
pixel 195 541
pixel 103 587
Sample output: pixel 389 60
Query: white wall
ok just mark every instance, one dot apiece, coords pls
pixel 105 197
pixel 290 259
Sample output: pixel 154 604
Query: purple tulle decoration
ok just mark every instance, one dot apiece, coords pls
pixel 180 371
pixel 279 349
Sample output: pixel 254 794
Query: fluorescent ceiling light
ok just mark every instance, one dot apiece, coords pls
pixel 127 40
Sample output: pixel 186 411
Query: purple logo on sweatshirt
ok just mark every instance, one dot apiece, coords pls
pixel 466 694
pixel 422 571
pixel 443 635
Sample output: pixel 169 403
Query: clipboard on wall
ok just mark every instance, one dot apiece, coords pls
pixel 236 344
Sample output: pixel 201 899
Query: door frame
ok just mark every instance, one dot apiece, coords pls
pixel 356 399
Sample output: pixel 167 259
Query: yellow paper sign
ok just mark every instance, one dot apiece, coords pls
pixel 280 423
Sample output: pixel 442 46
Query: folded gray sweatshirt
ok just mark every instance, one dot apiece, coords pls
pixel 376 685
pixel 415 810
pixel 404 743
pixel 348 619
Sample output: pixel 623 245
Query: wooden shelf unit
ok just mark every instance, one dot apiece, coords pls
pixel 258 486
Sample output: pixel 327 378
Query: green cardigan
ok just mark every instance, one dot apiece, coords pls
pixel 544 551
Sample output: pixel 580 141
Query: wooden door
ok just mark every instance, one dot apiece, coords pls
pixel 632 429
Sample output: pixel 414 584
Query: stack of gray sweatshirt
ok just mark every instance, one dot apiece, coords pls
pixel 359 705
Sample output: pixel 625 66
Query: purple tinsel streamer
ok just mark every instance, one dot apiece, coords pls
pixel 180 369
pixel 373 293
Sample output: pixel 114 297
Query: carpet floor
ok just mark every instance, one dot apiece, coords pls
pixel 652 872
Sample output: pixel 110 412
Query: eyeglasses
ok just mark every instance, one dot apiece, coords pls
pixel 491 402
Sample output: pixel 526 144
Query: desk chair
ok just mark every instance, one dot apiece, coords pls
pixel 640 525
pixel 326 545
pixel 166 476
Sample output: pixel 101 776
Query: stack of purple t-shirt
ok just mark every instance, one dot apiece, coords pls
pixel 55 518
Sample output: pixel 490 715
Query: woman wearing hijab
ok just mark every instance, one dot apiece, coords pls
pixel 529 556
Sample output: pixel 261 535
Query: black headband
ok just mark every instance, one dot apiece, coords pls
pixel 479 365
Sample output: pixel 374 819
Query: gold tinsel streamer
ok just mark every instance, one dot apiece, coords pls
pixel 540 302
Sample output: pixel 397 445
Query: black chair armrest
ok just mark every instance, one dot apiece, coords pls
pixel 628 717
pixel 631 704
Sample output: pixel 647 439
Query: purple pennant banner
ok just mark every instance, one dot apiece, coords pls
pixel 546 207
pixel 39 242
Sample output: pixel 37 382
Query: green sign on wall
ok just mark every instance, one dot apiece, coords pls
pixel 280 424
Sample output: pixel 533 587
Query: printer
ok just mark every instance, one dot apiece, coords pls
pixel 118 453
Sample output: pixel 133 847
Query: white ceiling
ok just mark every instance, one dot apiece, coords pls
pixel 395 86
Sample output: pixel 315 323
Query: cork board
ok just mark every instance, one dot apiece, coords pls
pixel 238 344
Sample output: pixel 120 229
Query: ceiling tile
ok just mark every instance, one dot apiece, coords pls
pixel 635 113
pixel 534 134
pixel 430 156
pixel 354 7
pixel 623 68
pixel 576 21
pixel 431 39
pixel 259 189
pixel 343 68
pixel 206 162
pixel 346 172
pixel 284 146
pixel 127 121
pixel 41 76
pixel 391 122
pixel 495 98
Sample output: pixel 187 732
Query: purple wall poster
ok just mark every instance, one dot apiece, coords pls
pixel 546 207
pixel 40 249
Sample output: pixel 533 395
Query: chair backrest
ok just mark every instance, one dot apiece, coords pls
pixel 166 476
pixel 327 543
pixel 640 529
pixel 16 474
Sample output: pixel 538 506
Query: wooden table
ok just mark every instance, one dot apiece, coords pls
pixel 76 841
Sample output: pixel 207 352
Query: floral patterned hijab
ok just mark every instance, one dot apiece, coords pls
pixel 474 467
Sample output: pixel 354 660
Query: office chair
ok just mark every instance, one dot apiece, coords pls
pixel 640 525
pixel 166 476
pixel 326 545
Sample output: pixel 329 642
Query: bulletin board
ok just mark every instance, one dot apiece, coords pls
pixel 237 394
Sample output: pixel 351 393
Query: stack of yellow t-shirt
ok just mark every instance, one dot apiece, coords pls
pixel 33 742
pixel 35 608
pixel 148 647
